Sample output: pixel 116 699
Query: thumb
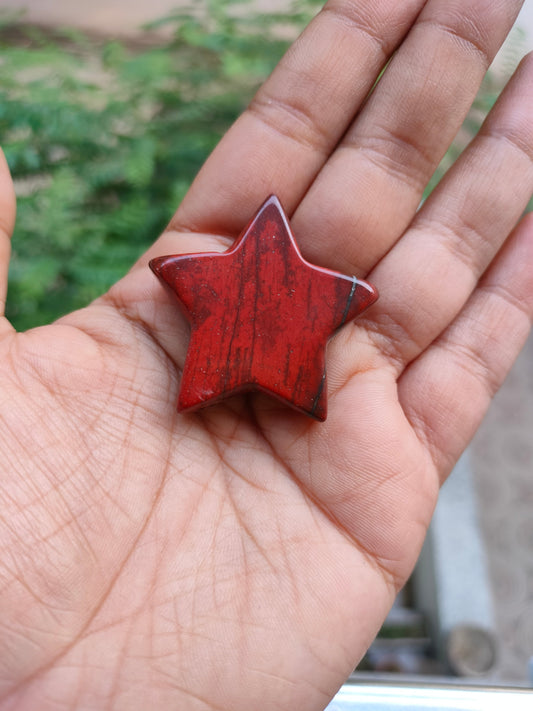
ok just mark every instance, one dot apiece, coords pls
pixel 7 223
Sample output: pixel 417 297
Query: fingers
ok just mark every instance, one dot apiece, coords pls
pixel 446 392
pixel 369 191
pixel 299 115
pixel 7 223
pixel 429 275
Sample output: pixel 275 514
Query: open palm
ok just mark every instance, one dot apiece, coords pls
pixel 245 556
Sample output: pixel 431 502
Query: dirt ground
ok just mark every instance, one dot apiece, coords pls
pixel 116 17
pixel 125 16
pixel 121 18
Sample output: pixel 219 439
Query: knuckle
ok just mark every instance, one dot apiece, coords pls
pixel 289 120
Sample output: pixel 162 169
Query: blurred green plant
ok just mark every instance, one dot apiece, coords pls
pixel 104 137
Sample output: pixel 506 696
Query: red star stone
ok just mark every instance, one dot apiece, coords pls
pixel 260 316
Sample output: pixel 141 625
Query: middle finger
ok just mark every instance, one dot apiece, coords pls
pixel 369 190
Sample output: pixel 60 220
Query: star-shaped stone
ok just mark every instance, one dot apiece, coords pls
pixel 260 316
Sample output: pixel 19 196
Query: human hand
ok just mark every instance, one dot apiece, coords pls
pixel 244 555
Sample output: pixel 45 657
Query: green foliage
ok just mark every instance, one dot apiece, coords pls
pixel 104 138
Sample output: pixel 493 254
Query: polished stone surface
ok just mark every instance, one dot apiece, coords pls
pixel 260 316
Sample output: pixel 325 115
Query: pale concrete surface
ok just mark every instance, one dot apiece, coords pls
pixel 502 452
pixel 502 461
pixel 452 581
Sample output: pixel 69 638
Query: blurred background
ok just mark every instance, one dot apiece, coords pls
pixel 107 111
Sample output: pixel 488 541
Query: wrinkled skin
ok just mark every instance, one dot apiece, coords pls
pixel 245 556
